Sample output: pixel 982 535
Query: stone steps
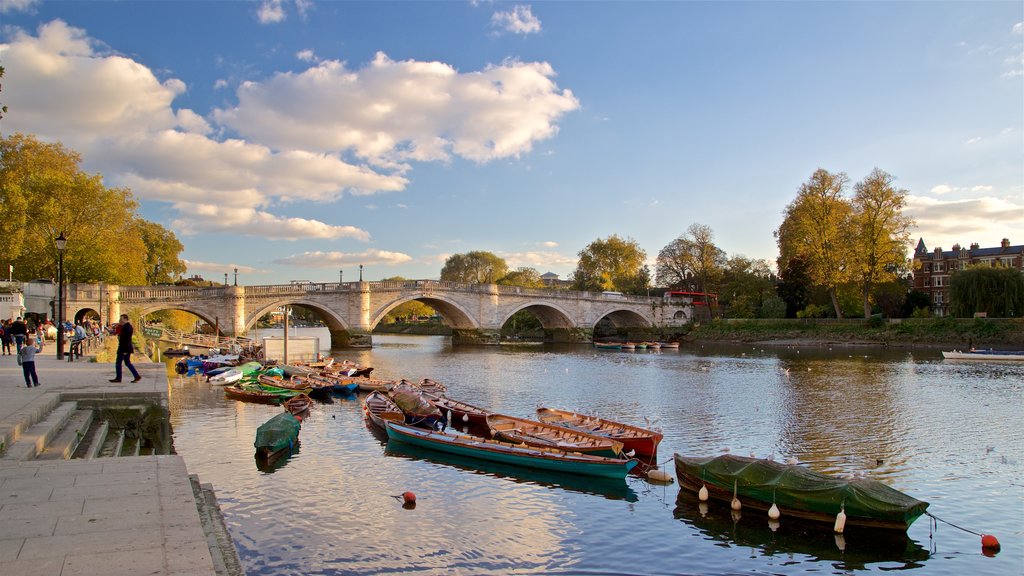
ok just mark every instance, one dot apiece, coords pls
pixel 24 418
pixel 36 438
pixel 66 442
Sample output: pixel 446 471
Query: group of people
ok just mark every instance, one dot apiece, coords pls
pixel 28 343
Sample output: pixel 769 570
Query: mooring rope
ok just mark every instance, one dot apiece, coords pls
pixel 934 517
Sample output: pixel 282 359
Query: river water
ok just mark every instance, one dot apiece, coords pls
pixel 946 432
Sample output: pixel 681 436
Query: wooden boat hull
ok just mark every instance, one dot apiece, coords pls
pixel 504 452
pixel 380 409
pixel 642 442
pixel 539 434
pixel 799 492
pixel 459 412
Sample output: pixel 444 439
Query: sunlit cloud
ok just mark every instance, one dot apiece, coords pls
pixel 306 55
pixel 518 20
pixel 270 12
pixel 252 222
pixel 319 259
pixel 199 266
pixel 18 5
pixel 541 261
pixel 986 220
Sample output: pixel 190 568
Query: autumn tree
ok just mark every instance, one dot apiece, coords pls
pixel 524 277
pixel 816 228
pixel 881 233
pixel 692 261
pixel 162 250
pixel 748 289
pixel 612 264
pixel 476 267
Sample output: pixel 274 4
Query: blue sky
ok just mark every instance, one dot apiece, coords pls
pixel 295 139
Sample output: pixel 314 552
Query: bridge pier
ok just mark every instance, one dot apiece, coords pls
pixel 481 336
pixel 348 339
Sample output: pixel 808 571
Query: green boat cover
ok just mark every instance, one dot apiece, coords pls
pixel 798 488
pixel 275 371
pixel 413 404
pixel 277 433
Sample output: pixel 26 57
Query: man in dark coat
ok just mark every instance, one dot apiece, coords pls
pixel 124 349
pixel 19 331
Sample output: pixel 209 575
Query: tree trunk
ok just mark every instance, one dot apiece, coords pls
pixel 867 301
pixel 835 302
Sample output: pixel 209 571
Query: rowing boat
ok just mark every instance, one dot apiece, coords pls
pixel 379 409
pixel 235 374
pixel 277 434
pixel 496 451
pixel 298 405
pixel 534 433
pixel 458 411
pixel 797 491
pixel 639 441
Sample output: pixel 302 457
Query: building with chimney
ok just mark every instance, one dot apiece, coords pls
pixel 932 270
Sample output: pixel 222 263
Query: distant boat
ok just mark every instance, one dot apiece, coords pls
pixel 608 345
pixel 986 355
pixel 536 433
pixel 640 441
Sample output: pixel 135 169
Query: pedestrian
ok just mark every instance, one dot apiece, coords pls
pixel 27 359
pixel 19 331
pixel 125 348
pixel 5 337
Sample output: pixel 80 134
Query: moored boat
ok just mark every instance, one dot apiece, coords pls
pixel 373 384
pixel 461 412
pixel 797 491
pixel 259 393
pixel 608 345
pixel 235 374
pixel 986 355
pixel 639 441
pixel 534 433
pixel 298 405
pixel 277 434
pixel 669 345
pixel 417 407
pixel 379 408
pixel 532 457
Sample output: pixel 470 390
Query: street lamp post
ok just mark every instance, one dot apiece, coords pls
pixel 62 243
pixel 341 276
pixel 360 272
pixel 225 279
pixel 236 276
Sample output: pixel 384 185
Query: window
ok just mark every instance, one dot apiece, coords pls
pixel 938 297
pixel 927 267
pixel 938 267
pixel 937 281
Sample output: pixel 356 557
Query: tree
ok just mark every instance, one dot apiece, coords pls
pixel 815 228
pixel 999 292
pixel 794 285
pixel 881 233
pixel 612 264
pixel 476 267
pixel 162 250
pixel 915 301
pixel 746 285
pixel 692 261
pixel 524 277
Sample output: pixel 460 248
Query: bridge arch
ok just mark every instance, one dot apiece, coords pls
pixel 624 318
pixel 334 322
pixel 454 315
pixel 550 316
pixel 149 309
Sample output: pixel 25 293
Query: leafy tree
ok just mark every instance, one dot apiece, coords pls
pixel 476 267
pixel 816 228
pixel 524 277
pixel 916 300
pixel 692 261
pixel 612 264
pixel 746 283
pixel 999 292
pixel 794 285
pixel 162 249
pixel 881 233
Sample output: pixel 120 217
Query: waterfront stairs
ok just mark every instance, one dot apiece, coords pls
pixel 90 484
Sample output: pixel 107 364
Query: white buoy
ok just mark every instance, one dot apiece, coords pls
pixel 736 505
pixel 702 495
pixel 840 524
pixel 659 477
pixel 465 417
pixel 773 512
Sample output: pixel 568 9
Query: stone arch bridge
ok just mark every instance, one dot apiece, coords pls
pixel 474 312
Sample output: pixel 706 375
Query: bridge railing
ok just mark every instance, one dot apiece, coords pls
pixel 204 340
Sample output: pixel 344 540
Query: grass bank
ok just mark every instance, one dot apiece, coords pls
pixel 958 332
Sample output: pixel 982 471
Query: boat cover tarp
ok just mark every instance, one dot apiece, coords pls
pixel 414 404
pixel 797 487
pixel 277 433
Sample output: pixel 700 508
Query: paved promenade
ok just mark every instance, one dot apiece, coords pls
pixel 109 516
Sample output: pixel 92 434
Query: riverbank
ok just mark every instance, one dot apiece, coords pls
pixel 910 332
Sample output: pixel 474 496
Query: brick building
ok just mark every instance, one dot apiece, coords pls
pixel 933 269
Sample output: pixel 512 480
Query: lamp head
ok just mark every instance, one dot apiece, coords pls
pixel 61 241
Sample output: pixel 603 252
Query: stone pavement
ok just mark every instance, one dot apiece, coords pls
pixel 109 516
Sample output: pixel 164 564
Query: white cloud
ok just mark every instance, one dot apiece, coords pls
pixel 392 112
pixel 196 266
pixel 542 261
pixel 17 5
pixel 974 140
pixel 549 244
pixel 270 12
pixel 297 130
pixel 986 220
pixel 943 189
pixel 1018 28
pixel 319 259
pixel 519 20
pixel 306 56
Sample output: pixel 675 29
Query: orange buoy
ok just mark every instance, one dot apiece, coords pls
pixel 408 497
pixel 989 542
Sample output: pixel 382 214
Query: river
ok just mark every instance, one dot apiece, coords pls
pixel 950 433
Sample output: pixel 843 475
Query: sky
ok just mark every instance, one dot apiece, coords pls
pixel 300 139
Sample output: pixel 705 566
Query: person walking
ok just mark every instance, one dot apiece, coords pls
pixel 27 358
pixel 19 331
pixel 5 337
pixel 125 348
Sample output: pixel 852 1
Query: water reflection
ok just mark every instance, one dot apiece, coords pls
pixel 607 487
pixel 798 540
pixel 270 463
